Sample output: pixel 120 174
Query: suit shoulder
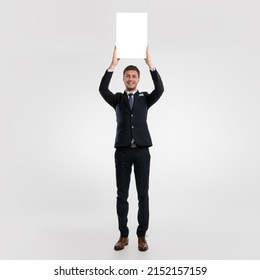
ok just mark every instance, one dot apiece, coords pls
pixel 119 94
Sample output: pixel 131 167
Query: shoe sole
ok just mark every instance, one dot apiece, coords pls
pixel 142 249
pixel 119 249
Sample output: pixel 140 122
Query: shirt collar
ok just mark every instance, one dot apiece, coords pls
pixel 128 92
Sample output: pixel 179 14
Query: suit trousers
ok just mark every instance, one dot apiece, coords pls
pixel 139 158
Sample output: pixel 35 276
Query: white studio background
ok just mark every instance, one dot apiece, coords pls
pixel 57 179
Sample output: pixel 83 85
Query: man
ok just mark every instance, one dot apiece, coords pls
pixel 132 143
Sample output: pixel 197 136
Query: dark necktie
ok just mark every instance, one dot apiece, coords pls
pixel 131 100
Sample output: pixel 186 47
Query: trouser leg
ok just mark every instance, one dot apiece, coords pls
pixel 142 170
pixel 123 166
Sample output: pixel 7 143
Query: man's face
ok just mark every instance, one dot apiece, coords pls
pixel 131 80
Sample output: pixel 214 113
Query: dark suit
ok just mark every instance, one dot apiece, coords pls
pixel 131 124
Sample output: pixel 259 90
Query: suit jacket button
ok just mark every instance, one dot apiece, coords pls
pixel 132 126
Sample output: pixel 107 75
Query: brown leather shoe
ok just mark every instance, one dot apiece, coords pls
pixel 121 243
pixel 142 244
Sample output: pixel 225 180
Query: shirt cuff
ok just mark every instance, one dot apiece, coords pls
pixel 110 70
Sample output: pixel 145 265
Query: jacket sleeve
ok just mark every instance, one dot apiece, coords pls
pixel 109 97
pixel 158 89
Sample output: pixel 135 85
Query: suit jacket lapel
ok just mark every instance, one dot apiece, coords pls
pixel 136 95
pixel 125 97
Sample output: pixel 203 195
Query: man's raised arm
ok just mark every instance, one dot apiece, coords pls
pixel 109 97
pixel 114 61
pixel 158 84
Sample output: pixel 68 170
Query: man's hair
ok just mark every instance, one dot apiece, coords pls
pixel 132 67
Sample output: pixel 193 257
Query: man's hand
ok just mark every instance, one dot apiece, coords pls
pixel 115 60
pixel 148 59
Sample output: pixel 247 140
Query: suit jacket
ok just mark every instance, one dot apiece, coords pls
pixel 132 124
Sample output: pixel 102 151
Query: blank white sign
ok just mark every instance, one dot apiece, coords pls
pixel 131 35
